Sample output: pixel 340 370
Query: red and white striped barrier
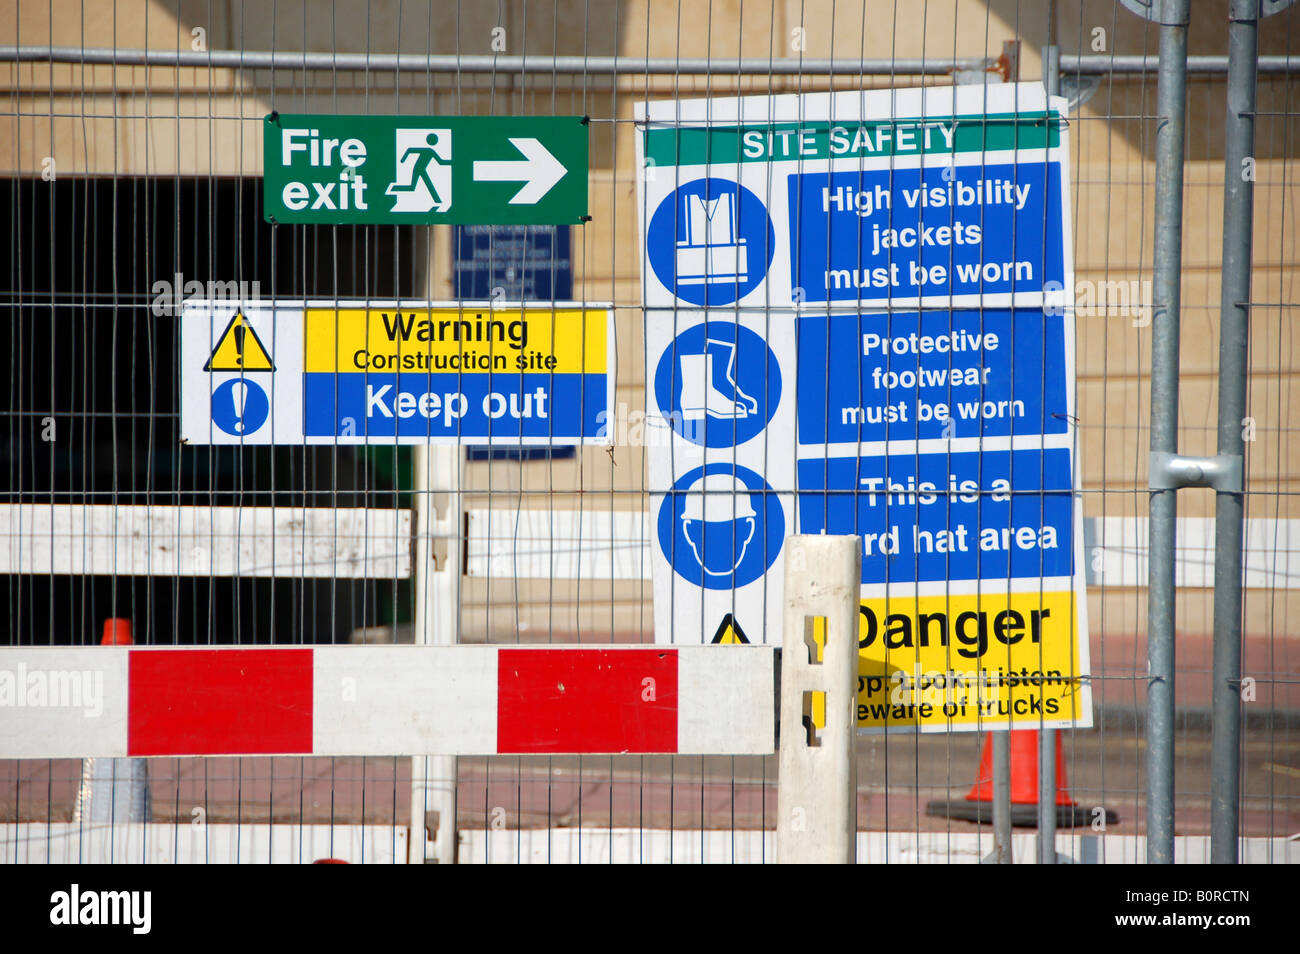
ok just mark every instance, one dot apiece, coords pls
pixel 385 700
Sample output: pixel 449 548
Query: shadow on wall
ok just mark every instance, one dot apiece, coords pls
pixel 530 28
pixel 527 27
pixel 578 27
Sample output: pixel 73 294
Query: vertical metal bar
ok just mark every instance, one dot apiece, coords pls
pixel 422 559
pixel 1047 797
pixel 1238 200
pixel 1002 844
pixel 1047 737
pixel 1171 108
pixel 1001 797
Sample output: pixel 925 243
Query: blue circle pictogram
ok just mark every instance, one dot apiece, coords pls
pixel 718 384
pixel 711 242
pixel 240 407
pixel 721 526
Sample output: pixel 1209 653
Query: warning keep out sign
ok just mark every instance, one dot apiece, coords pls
pixel 446 371
pixel 406 372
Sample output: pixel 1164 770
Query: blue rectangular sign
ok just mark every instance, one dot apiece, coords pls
pixel 872 235
pixel 526 262
pixel 929 517
pixel 934 374
pixel 514 263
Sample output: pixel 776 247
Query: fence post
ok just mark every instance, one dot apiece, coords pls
pixel 436 470
pixel 1229 501
pixel 422 576
pixel 1047 737
pixel 1001 855
pixel 817 793
pixel 1171 108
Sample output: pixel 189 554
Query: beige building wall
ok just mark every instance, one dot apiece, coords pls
pixel 163 121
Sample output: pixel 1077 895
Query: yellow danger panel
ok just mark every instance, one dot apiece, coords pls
pixel 423 340
pixel 239 349
pixel 974 662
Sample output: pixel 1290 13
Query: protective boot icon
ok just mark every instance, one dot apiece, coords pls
pixel 700 391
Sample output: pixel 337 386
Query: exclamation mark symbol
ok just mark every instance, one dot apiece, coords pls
pixel 239 398
pixel 239 344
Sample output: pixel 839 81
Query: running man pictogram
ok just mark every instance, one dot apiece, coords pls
pixel 423 171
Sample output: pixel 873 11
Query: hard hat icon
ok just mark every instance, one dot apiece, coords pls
pixel 721 526
pixel 718 521
pixel 718 497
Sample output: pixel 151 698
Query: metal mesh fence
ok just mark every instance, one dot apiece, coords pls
pixel 133 161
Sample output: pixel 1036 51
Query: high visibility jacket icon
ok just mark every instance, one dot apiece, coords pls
pixel 712 251
pixel 708 385
pixel 719 521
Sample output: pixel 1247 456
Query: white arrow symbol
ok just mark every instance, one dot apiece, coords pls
pixel 538 170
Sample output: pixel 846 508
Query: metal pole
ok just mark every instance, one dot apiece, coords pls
pixel 1001 739
pixel 1001 797
pixel 421 625
pixel 1104 64
pixel 1171 108
pixel 492 64
pixel 1047 737
pixel 1238 199
pixel 1097 64
pixel 1047 797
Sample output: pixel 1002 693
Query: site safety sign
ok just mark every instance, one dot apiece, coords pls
pixel 424 170
pixel 365 372
pixel 858 323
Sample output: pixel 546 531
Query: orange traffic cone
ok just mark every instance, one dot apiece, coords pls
pixel 117 632
pixel 1024 771
pixel 977 806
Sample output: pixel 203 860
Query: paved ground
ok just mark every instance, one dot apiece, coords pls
pixel 1104 765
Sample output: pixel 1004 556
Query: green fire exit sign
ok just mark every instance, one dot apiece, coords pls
pixel 424 170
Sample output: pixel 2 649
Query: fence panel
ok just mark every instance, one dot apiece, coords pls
pixel 133 160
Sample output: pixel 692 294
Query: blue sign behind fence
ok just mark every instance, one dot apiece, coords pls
pixel 527 262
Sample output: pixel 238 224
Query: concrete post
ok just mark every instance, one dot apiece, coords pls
pixel 818 787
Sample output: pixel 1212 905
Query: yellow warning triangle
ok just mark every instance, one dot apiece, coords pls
pixel 239 349
pixel 729 633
